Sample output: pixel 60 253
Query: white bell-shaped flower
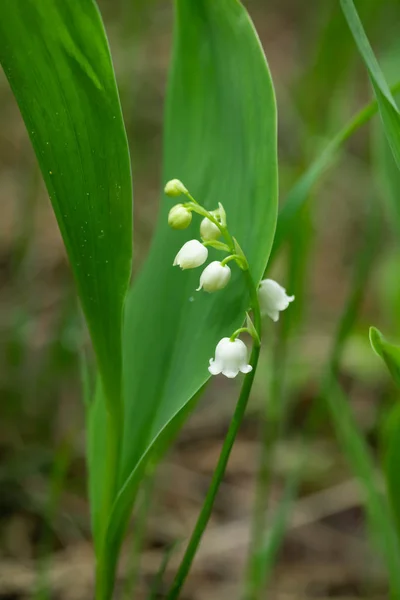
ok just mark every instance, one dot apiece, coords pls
pixel 214 277
pixel 191 255
pixel 273 298
pixel 208 230
pixel 230 358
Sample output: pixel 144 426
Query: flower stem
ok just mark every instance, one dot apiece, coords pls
pixel 216 480
pixel 237 258
pixel 112 458
pixel 236 333
pixel 227 446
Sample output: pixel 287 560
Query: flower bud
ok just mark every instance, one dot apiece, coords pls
pixel 179 217
pixel 273 298
pixel 175 188
pixel 230 358
pixel 208 230
pixel 214 277
pixel 191 255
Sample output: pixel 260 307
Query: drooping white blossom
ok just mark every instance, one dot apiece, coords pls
pixel 214 277
pixel 191 255
pixel 273 298
pixel 230 358
pixel 208 230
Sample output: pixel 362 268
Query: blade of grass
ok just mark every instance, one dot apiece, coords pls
pixel 388 109
pixel 298 195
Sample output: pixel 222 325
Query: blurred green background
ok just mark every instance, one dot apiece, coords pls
pixel 320 82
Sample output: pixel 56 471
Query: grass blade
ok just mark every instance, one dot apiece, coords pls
pixel 387 106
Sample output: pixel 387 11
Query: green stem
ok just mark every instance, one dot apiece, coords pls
pixel 196 207
pixel 113 451
pixel 237 258
pixel 216 479
pixel 236 333
pixel 227 446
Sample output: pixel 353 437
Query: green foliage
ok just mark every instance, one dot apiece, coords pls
pixel 389 180
pixel 388 110
pixel 332 60
pixel 391 460
pixel 57 61
pixel 290 213
pixel 390 353
pixel 220 140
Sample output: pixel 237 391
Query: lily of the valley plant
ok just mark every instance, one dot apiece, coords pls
pixel 231 356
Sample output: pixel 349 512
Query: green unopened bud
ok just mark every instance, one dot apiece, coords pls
pixel 208 230
pixel 175 188
pixel 179 217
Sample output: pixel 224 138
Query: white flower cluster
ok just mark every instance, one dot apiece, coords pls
pixel 231 355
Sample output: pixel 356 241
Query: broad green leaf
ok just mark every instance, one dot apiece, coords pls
pixel 96 435
pixel 390 353
pixel 387 106
pixel 57 61
pixel 220 140
pixel 391 460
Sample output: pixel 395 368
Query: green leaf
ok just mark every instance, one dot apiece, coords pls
pixel 390 353
pixel 391 461
pixel 96 419
pixel 387 106
pixel 220 141
pixel 57 61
